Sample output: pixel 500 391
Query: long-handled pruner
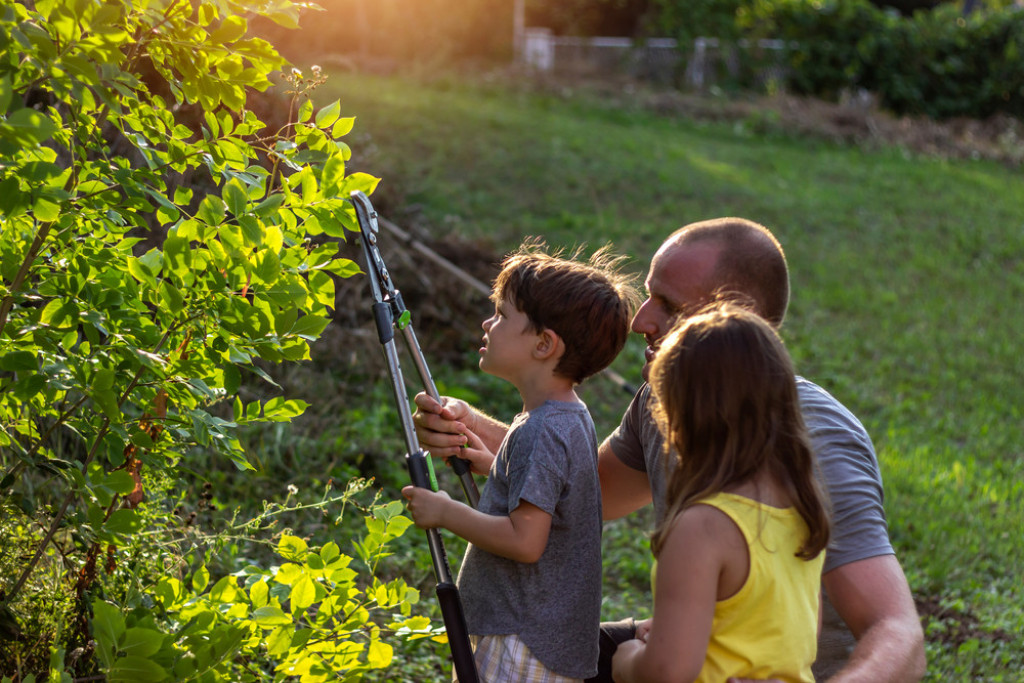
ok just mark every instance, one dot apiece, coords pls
pixel 389 312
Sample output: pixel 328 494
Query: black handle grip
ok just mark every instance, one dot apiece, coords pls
pixel 458 632
pixel 460 465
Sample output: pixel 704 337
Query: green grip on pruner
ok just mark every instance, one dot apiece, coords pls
pixel 431 474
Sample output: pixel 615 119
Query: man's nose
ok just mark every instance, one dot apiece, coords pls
pixel 642 321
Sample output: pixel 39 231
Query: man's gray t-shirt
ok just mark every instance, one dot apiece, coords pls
pixel 849 468
pixel 548 459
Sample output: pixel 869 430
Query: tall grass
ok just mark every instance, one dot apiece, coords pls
pixel 907 278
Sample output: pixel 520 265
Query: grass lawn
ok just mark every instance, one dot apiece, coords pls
pixel 907 278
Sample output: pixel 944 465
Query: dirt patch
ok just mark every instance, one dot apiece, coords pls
pixel 954 627
pixel 446 311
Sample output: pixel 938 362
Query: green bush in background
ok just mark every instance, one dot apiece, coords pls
pixel 936 63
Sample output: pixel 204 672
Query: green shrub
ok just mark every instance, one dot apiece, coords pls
pixel 160 244
pixel 935 63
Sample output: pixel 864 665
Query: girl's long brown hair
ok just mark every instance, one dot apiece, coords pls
pixel 725 399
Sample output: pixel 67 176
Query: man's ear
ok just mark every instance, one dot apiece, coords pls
pixel 549 345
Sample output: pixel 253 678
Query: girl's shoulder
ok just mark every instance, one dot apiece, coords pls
pixel 704 520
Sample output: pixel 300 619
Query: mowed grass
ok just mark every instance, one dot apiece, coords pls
pixel 907 280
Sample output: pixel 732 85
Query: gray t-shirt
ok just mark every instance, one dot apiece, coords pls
pixel 849 468
pixel 548 459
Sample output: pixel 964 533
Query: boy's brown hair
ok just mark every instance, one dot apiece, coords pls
pixel 589 304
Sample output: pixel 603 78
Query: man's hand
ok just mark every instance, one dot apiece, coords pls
pixel 441 428
pixel 445 429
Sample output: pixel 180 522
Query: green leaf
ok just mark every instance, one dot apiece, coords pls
pixel 27 127
pixel 343 126
pixel 104 379
pixel 182 195
pixel 231 29
pixel 141 642
pixel 235 196
pixel 292 548
pixel 121 482
pixel 279 641
pixel 258 593
pixel 123 521
pixel 13 202
pixel 18 360
pixel 212 210
pixel 107 627
pixel 226 591
pixel 309 327
pixel 200 579
pixel 141 272
pixel 171 297
pixel 134 669
pixel 270 616
pixel 46 210
pixel 361 181
pixel 6 94
pixel 305 111
pixel 177 256
pixel 379 654
pixel 252 230
pixel 60 313
pixel 107 402
pixel 280 409
pixel 330 552
pixel 270 205
pixel 333 175
pixel 303 594
pixel 268 266
pixel 328 115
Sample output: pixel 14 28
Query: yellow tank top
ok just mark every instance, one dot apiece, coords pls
pixel 768 629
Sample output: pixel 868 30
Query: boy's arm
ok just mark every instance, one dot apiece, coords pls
pixel 522 536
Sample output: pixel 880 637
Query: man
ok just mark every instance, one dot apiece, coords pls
pixel 871 631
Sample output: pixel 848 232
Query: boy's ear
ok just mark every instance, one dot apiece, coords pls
pixel 549 345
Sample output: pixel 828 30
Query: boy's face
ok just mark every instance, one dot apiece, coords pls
pixel 508 342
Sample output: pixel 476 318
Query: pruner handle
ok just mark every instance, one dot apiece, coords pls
pixel 421 470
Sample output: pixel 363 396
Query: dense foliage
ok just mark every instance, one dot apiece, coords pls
pixel 936 63
pixel 160 247
pixel 939 63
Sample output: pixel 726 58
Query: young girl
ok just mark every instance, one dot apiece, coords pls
pixel 739 553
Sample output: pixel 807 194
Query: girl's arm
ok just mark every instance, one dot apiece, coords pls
pixel 697 552
pixel 522 536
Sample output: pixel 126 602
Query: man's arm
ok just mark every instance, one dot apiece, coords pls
pixel 873 598
pixel 623 489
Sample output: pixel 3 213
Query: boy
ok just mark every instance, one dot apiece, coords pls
pixel 531 576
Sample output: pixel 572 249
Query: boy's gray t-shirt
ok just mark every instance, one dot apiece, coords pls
pixel 849 469
pixel 548 459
